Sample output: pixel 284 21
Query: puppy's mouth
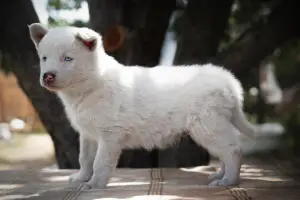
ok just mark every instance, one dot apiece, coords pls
pixel 55 88
pixel 52 88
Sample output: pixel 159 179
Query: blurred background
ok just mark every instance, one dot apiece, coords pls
pixel 257 40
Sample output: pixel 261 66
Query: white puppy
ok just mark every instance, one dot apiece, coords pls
pixel 115 107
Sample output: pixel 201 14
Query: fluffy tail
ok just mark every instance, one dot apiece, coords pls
pixel 240 121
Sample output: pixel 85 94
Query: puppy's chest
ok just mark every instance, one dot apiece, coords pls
pixel 94 119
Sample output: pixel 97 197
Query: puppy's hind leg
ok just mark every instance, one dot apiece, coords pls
pixel 232 161
pixel 219 174
pixel 218 136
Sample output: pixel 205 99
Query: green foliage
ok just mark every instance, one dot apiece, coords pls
pixel 287 63
pixel 244 15
pixel 79 23
pixel 57 5
pixel 60 22
pixel 56 22
pixel 64 4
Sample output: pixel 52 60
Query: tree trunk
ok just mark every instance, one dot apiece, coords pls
pixel 19 52
pixel 145 23
pixel 200 30
pixel 262 39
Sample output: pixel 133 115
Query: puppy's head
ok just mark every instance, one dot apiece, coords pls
pixel 67 54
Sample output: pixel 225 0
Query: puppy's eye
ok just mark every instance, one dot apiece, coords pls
pixel 68 59
pixel 44 58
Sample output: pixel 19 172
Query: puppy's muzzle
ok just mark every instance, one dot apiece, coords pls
pixel 48 78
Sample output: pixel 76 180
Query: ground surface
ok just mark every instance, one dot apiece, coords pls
pixel 27 151
pixel 23 176
pixel 262 179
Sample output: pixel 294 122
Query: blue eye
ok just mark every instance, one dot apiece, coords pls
pixel 44 58
pixel 68 59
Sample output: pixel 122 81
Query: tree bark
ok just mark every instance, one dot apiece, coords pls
pixel 145 23
pixel 200 30
pixel 262 39
pixel 147 33
pixel 18 49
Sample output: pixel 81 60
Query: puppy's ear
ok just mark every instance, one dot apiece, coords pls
pixel 37 32
pixel 90 43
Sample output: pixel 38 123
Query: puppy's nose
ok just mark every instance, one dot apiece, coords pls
pixel 49 77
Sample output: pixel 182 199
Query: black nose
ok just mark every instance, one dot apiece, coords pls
pixel 49 77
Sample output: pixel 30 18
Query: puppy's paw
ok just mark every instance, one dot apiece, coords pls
pixel 216 176
pixel 86 186
pixel 224 182
pixel 93 184
pixel 79 177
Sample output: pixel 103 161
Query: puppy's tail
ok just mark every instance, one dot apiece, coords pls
pixel 240 121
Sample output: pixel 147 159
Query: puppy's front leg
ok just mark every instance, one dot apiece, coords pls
pixel 88 149
pixel 106 159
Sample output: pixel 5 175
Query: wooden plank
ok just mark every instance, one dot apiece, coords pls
pixel 261 179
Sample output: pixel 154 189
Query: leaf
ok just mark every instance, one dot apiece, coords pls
pixel 64 4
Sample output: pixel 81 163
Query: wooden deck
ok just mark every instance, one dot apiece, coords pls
pixel 262 179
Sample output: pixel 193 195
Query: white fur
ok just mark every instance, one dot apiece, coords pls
pixel 115 107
